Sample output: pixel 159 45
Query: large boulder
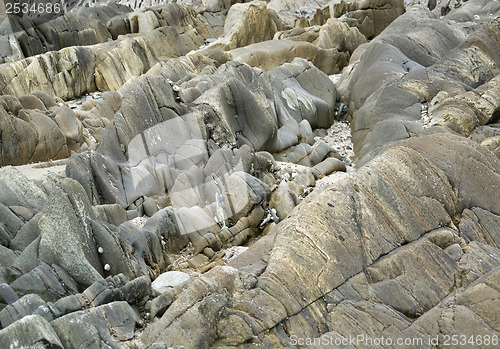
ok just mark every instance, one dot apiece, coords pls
pixel 392 99
pixel 273 53
pixel 248 23
pixel 66 232
pixel 51 73
pixel 371 246
pixel 32 331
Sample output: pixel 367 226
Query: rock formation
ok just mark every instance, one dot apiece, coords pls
pixel 168 176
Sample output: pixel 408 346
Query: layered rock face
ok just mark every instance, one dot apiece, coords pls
pixel 173 222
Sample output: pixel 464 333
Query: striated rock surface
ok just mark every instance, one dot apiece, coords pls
pixel 178 175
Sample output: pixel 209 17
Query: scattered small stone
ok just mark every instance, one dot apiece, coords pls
pixel 270 216
pixel 139 221
pixel 168 280
pixel 198 261
pixel 209 266
pixel 208 252
pixel 233 252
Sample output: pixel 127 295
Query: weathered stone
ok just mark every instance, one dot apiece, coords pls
pixel 413 78
pixel 370 17
pixel 112 213
pixel 150 207
pixel 248 23
pixel 66 235
pixel 30 331
pixel 24 306
pixel 23 77
pixel 285 198
pixel 70 126
pixel 267 55
pixel 110 323
pixel 7 294
pixel 168 280
pixel 170 329
pixel 48 281
pixel 164 224
pixel 198 261
pixel 328 166
pixel 17 190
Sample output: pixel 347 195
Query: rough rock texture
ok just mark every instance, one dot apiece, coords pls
pixel 375 237
pixel 169 31
pixel 248 23
pixel 397 98
pixel 370 17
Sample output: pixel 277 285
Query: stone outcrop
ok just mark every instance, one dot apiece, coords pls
pixel 140 40
pixel 328 47
pixel 248 23
pixel 407 94
pixel 166 31
pixel 168 152
pixel 31 35
pixel 351 236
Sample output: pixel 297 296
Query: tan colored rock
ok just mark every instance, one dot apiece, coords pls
pixel 337 34
pixel 372 253
pixel 301 13
pixel 246 24
pixel 51 73
pixel 371 17
pixel 463 112
pixel 270 54
pixel 493 144
pixel 119 61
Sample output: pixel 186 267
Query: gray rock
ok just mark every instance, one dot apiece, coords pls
pixel 164 224
pixel 328 166
pixel 69 304
pixel 70 126
pixel 17 190
pixel 370 17
pixel 319 152
pixel 10 222
pixel 114 251
pixel 24 306
pixel 111 213
pixel 104 325
pixel 66 234
pixel 409 84
pixel 241 113
pixel 27 234
pixel 44 280
pixel 31 331
pixel 109 181
pixel 7 294
pixel 170 331
pixel 305 132
pixel 168 280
